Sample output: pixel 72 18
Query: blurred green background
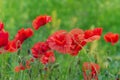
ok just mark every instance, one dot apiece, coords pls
pixel 70 13
pixel 66 14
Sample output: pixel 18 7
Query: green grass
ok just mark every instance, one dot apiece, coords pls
pixel 67 14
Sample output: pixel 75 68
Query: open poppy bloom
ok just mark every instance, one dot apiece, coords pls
pixel 39 49
pixel 3 38
pixel 90 71
pixel 60 41
pixel 77 36
pixel 111 37
pixel 1 26
pixel 42 52
pixel 91 35
pixel 12 46
pixel 41 21
pixel 48 57
pixel 76 47
pixel 23 34
pixel 20 37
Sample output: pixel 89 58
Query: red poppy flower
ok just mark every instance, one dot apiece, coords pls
pixel 23 34
pixel 60 41
pixel 91 35
pixel 111 37
pixel 76 47
pixel 20 37
pixel 97 31
pixel 28 62
pixel 41 21
pixel 19 68
pixel 48 57
pixel 77 36
pixel 3 38
pixel 31 60
pixel 39 49
pixel 13 46
pixel 90 71
pixel 1 26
